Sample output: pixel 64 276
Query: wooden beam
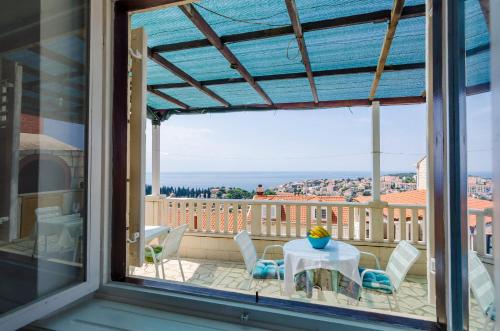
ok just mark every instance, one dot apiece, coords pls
pixel 210 34
pixel 478 89
pixel 299 35
pixel 477 50
pixel 140 5
pixel 293 75
pixel 485 8
pixel 297 105
pixel 55 56
pixel 61 79
pixel 59 24
pixel 396 12
pixel 160 60
pixel 374 17
pixel 168 98
pixel 35 88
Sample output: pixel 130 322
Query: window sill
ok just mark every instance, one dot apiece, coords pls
pixel 230 307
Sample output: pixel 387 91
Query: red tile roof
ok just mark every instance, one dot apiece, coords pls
pixel 206 221
pixel 419 197
pixel 303 209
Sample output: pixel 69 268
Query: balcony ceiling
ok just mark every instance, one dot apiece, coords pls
pixel 187 74
pixel 223 56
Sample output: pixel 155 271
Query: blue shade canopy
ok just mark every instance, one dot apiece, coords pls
pixel 343 56
pixel 53 76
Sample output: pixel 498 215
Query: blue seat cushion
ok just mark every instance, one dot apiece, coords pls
pixel 376 281
pixel 267 270
pixel 491 312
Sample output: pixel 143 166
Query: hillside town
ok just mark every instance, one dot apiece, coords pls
pixel 348 188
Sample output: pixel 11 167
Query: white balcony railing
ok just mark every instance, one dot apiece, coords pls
pixel 269 219
pixel 481 233
pixel 375 222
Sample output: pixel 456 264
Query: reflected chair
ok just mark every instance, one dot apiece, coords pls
pixel 483 289
pixel 168 250
pixel 259 268
pixel 389 281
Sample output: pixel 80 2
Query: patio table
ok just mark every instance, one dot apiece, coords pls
pixel 67 228
pixel 337 255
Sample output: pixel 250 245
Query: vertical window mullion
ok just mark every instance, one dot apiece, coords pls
pixel 457 165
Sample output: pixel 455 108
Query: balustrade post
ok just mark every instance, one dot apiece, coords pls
pixel 377 220
pixel 256 226
pixel 480 240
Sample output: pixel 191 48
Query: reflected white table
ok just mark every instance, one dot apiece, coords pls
pixel 337 255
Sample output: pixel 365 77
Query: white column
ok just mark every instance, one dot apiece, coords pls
pixel 156 160
pixel 376 226
pixel 376 151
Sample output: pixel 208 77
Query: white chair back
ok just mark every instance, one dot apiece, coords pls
pixel 247 249
pixel 400 261
pixel 480 282
pixel 172 242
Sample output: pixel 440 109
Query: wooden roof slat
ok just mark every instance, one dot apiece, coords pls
pixel 60 79
pixel 168 98
pixel 477 50
pixel 299 35
pixel 55 56
pixel 160 60
pixel 35 88
pixel 210 34
pixel 477 89
pixel 374 17
pixel 397 10
pixel 319 73
pixel 485 8
pixel 299 105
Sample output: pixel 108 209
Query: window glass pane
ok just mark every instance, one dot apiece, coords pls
pixel 479 164
pixel 43 131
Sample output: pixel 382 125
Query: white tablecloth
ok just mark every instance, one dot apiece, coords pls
pixel 68 228
pixel 300 256
pixel 155 231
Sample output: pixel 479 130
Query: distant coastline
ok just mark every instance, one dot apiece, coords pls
pixel 248 180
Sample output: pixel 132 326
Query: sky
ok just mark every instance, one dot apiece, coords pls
pixel 310 140
pixel 307 140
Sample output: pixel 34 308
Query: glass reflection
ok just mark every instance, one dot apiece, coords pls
pixel 43 116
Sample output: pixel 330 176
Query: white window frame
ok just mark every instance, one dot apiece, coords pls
pixel 52 302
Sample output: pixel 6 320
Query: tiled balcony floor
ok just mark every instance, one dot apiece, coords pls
pixel 232 276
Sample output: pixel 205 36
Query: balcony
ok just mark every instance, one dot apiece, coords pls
pixel 211 258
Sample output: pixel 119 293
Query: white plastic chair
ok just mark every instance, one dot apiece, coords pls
pixel 169 251
pixel 249 253
pixel 41 214
pixel 401 260
pixel 481 286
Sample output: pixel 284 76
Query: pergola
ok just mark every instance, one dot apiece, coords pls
pixel 228 56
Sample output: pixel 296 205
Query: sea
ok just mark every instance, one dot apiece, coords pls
pixel 248 180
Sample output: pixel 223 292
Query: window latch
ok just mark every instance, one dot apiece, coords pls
pixel 135 238
pixel 244 316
